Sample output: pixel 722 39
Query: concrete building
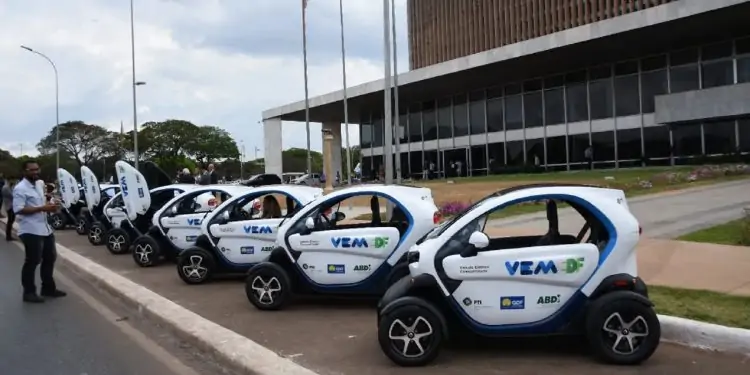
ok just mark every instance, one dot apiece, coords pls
pixel 502 84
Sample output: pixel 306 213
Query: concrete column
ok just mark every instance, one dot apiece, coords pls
pixel 272 145
pixel 337 166
pixel 328 160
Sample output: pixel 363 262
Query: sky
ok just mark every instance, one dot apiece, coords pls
pixel 211 62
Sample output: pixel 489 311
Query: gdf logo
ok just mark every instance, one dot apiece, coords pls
pixel 362 267
pixel 548 300
pixel 381 242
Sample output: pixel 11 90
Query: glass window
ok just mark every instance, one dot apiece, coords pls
pixel 652 84
pixel 625 68
pixel 603 145
pixel 556 150
pixel 403 124
pixel 513 89
pixel 476 113
pixel 684 78
pixel 460 116
pixel 494 92
pixel 577 144
pixel 513 112
pixel 377 132
pixel 445 130
pixel 554 81
pixel 744 128
pixel 719 137
pixel 716 51
pixel 496 156
pixel 577 105
pixel 656 141
pixel 687 140
pixel 629 144
pixel 495 115
pixel 478 160
pixel 416 165
pixel 515 153
pixel 685 56
pixel 554 106
pixel 535 151
pixel 429 122
pixel 627 102
pixel 742 46
pixel 718 73
pixel 654 63
pixel 415 124
pixel 533 109
pixel 743 70
pixel 600 72
pixel 365 135
pixel 601 99
pixel 533 85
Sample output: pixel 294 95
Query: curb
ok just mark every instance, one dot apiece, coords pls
pixel 242 354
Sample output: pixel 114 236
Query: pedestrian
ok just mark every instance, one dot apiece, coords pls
pixel 213 177
pixel 7 193
pixel 588 154
pixel 36 234
pixel 186 177
pixel 3 182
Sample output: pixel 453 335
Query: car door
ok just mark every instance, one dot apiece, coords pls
pixel 343 256
pixel 115 210
pixel 514 286
pixel 184 226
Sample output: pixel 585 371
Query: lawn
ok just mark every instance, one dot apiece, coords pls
pixel 705 306
pixel 735 232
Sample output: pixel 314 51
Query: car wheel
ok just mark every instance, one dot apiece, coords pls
pixel 96 234
pixel 82 226
pixel 622 330
pixel 118 241
pixel 146 251
pixel 410 335
pixel 268 286
pixel 57 221
pixel 398 273
pixel 195 265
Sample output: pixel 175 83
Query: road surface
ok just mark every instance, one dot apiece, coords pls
pixel 74 335
pixel 666 215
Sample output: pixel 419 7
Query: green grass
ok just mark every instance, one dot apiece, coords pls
pixel 732 233
pixel 702 305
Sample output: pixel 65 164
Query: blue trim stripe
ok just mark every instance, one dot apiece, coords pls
pixel 557 321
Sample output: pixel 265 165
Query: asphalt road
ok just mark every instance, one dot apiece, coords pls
pixel 666 215
pixel 74 335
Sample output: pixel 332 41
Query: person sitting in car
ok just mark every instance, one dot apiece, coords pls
pixel 271 208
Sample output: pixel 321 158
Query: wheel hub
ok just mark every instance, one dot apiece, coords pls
pixel 266 291
pixel 626 336
pixel 410 336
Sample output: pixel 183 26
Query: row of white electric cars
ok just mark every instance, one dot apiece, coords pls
pixel 433 279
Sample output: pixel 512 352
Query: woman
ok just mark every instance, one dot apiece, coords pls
pixel 271 208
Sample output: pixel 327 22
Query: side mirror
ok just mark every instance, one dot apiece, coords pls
pixel 225 215
pixel 310 223
pixel 174 210
pixel 479 240
pixel 340 216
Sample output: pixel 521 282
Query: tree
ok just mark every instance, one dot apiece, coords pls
pixel 81 141
pixel 168 138
pixel 212 143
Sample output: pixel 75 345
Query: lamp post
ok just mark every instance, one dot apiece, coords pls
pixel 57 105
pixel 135 84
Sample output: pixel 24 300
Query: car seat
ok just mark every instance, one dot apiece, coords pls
pixel 375 209
pixel 399 220
pixel 553 231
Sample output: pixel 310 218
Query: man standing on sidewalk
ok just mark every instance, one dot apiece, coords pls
pixel 7 194
pixel 36 234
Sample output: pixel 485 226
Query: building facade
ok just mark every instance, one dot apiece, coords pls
pixel 442 30
pixel 639 82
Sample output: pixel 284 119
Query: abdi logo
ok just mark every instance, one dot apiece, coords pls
pixel 528 267
pixel 336 268
pixel 348 242
pixel 194 221
pixel 257 229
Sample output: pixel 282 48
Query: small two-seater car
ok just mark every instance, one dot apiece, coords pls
pixel 465 275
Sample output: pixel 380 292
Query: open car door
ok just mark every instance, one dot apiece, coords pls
pixel 68 188
pixel 91 189
pixel 134 188
pixel 155 177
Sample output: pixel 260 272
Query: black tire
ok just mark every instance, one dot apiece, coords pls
pixel 118 241
pixel 57 220
pixel 146 251
pixel 82 226
pixel 406 316
pixel 195 265
pixel 96 233
pixel 268 276
pixel 621 314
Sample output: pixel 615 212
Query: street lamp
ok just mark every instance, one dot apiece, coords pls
pixel 135 84
pixel 57 105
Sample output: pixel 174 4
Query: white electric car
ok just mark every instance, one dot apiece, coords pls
pixel 241 232
pixel 320 252
pixel 462 276
pixel 101 221
pixel 177 224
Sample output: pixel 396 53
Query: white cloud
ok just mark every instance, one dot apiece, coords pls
pixel 217 62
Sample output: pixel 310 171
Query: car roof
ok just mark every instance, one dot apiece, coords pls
pixel 402 193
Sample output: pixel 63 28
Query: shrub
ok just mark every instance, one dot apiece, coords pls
pixel 453 208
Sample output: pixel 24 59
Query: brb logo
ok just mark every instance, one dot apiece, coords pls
pixel 348 242
pixel 257 229
pixel 195 222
